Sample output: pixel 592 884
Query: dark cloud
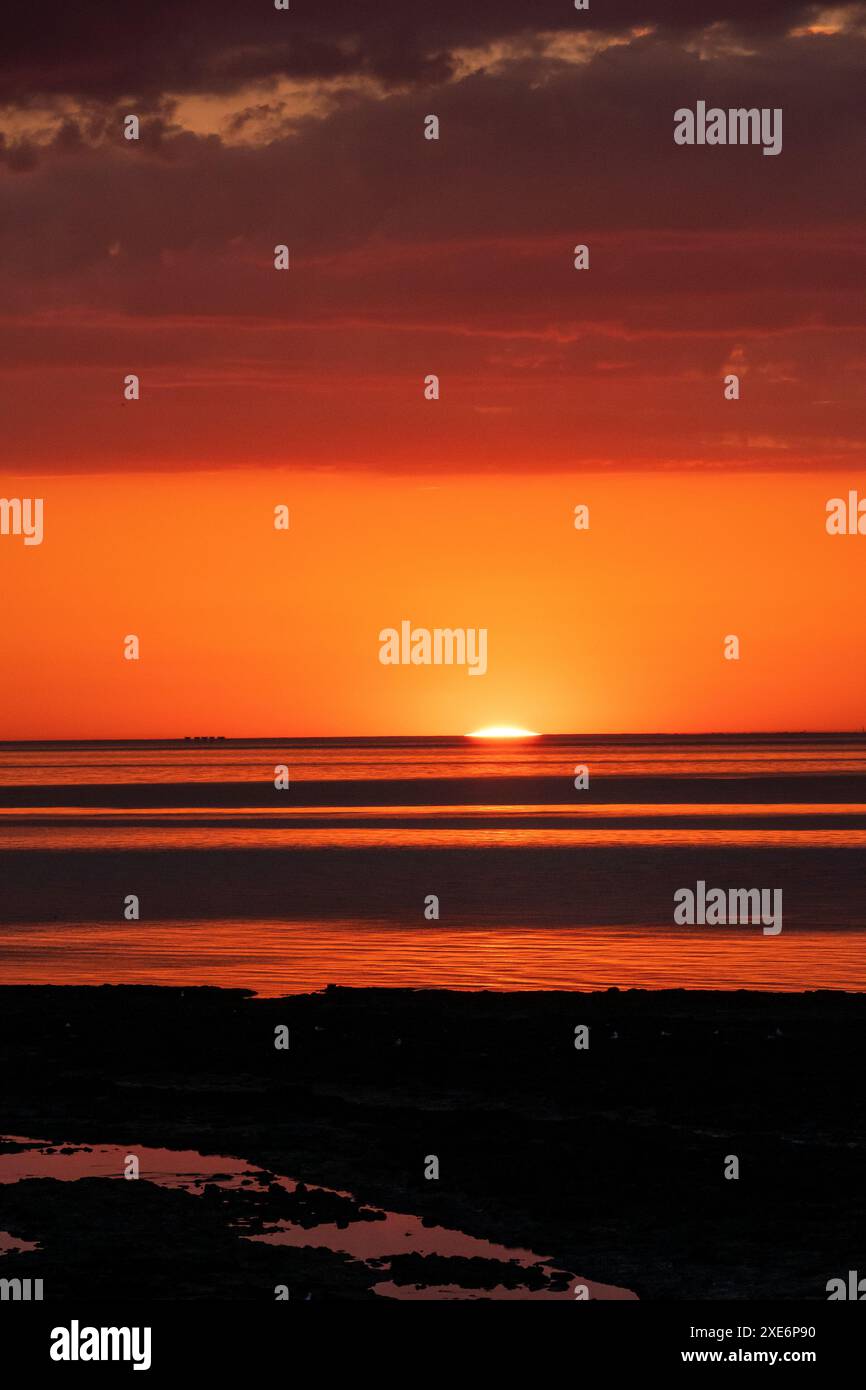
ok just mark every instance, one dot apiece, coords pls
pixel 20 156
pixel 589 148
pixel 454 256
pixel 98 51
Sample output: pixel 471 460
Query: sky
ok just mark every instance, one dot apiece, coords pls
pixel 409 257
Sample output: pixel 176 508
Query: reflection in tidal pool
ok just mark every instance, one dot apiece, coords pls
pixel 326 1219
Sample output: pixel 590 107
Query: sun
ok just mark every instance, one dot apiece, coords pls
pixel 503 731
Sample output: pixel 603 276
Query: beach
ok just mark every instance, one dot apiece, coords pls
pixel 424 1024
pixel 608 1161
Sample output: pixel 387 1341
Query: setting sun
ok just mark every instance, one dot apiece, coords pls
pixel 503 731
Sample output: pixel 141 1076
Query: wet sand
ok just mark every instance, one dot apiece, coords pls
pixel 607 1162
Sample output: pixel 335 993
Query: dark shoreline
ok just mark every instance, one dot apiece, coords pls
pixel 610 1161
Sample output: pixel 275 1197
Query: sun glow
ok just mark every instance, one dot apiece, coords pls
pixel 503 731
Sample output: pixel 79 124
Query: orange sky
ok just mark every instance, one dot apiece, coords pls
pixel 409 257
pixel 249 631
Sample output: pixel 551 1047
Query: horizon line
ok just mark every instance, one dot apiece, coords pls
pixel 206 739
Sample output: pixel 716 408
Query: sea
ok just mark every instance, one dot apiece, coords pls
pixel 286 865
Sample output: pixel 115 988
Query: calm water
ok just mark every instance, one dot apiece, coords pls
pixel 369 1234
pixel 540 885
